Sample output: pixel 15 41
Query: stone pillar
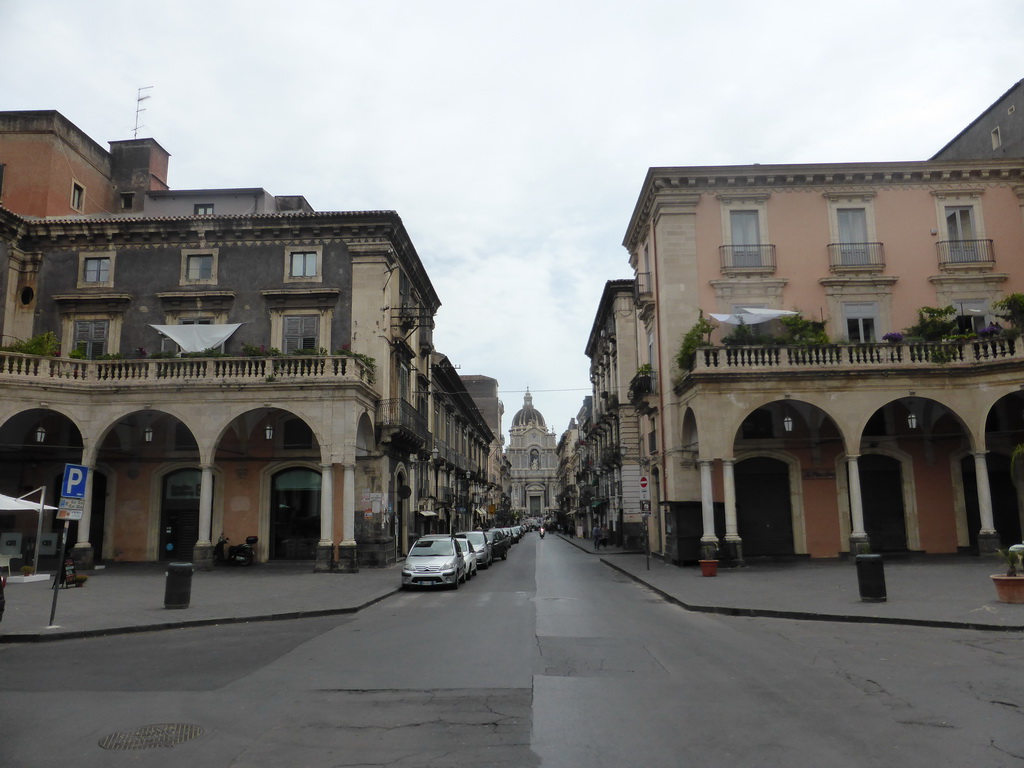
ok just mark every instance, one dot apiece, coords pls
pixel 83 553
pixel 202 555
pixel 733 542
pixel 859 543
pixel 348 561
pixel 708 541
pixel 325 547
pixel 988 537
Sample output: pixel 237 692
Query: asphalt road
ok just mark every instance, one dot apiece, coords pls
pixel 547 659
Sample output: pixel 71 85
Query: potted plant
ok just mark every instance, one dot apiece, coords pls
pixel 1010 586
pixel 27 570
pixel 80 579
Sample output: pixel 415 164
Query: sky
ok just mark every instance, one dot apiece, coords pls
pixel 511 138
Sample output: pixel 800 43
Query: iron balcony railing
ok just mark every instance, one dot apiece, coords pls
pixel 643 287
pixel 842 255
pixel 965 252
pixel 759 258
pixel 397 412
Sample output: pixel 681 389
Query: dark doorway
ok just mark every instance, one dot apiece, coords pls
pixel 881 488
pixel 179 515
pixel 1005 511
pixel 764 515
pixel 294 514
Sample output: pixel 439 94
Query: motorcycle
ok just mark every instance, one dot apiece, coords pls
pixel 542 533
pixel 239 554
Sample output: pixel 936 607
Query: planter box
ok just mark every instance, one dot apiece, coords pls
pixel 29 579
pixel 1009 589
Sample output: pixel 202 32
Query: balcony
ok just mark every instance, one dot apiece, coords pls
pixel 843 358
pixel 642 387
pixel 856 257
pixel 173 373
pixel 747 259
pixel 954 253
pixel 399 423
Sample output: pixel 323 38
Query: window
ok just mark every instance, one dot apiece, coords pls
pixel 303 264
pixel 746 238
pixel 996 138
pixel 301 332
pixel 199 266
pixel 202 209
pixel 77 196
pixel 861 321
pixel 91 337
pixel 127 201
pixel 853 236
pixel 96 270
pixel 971 315
pixel 960 232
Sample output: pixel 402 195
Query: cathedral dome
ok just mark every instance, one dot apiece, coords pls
pixel 528 416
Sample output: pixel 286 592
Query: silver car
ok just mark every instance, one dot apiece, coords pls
pixel 481 545
pixel 434 561
pixel 470 556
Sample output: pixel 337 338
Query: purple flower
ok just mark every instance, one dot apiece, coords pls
pixel 893 337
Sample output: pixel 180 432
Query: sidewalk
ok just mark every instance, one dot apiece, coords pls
pixel 129 597
pixel 936 591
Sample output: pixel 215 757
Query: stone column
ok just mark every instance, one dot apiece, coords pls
pixel 83 553
pixel 988 537
pixel 202 554
pixel 733 542
pixel 348 561
pixel 859 543
pixel 325 547
pixel 708 541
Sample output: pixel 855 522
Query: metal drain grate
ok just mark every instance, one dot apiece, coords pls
pixel 149 736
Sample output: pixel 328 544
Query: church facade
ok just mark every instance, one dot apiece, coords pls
pixel 533 463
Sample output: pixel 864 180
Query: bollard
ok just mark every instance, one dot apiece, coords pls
pixel 178 589
pixel 871 578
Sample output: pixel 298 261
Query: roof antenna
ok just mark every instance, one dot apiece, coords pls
pixel 139 98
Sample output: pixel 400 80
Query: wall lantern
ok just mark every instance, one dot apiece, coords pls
pixel 40 433
pixel 269 432
pixel 912 420
pixel 147 434
pixel 788 423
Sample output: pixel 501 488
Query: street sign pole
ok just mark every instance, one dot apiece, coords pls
pixel 72 507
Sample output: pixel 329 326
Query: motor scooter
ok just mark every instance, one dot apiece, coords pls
pixel 542 533
pixel 239 554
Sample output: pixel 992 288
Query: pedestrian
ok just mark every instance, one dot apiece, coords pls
pixel 596 536
pixel 604 536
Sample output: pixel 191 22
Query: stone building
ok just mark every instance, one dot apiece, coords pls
pixel 880 439
pixel 533 463
pixel 216 369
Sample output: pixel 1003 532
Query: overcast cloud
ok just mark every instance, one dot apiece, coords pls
pixel 512 138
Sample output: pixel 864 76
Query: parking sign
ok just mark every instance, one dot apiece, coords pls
pixel 73 485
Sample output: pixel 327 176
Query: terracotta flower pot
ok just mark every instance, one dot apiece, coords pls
pixel 1009 589
pixel 708 567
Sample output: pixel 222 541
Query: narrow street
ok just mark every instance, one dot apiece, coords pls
pixel 547 659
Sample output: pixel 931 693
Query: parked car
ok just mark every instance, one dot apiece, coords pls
pixel 502 542
pixel 469 555
pixel 481 545
pixel 434 561
pixel 3 600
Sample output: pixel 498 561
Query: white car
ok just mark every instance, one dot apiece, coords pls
pixel 469 554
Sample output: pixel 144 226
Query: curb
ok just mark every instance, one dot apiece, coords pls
pixel 768 613
pixel 39 637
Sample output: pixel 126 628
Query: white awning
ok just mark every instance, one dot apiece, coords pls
pixel 11 504
pixel 197 338
pixel 428 513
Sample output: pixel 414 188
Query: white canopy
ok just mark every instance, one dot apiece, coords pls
pixel 751 316
pixel 196 338
pixel 11 504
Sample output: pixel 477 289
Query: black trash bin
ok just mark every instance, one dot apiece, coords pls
pixel 871 578
pixel 178 589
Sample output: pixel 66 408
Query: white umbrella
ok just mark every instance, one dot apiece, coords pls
pixel 738 318
pixel 11 504
pixel 768 314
